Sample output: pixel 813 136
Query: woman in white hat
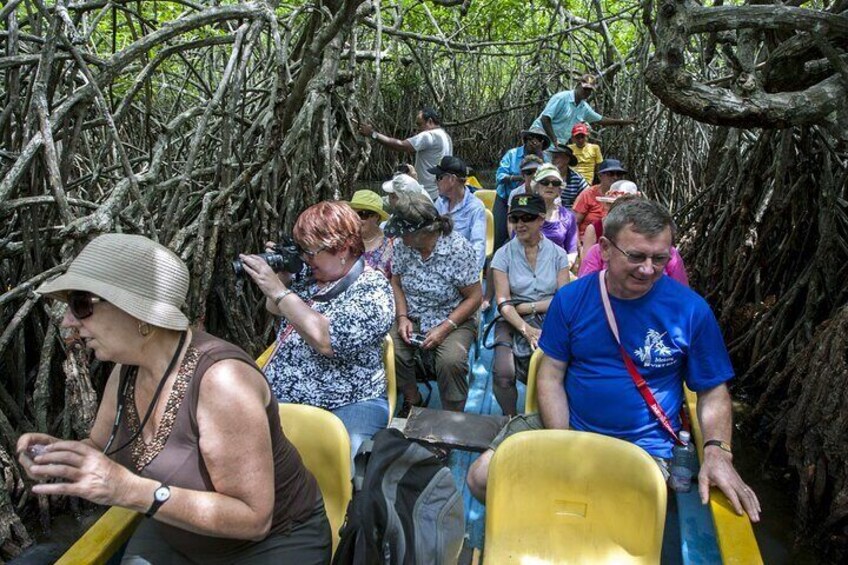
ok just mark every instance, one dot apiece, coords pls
pixel 378 248
pixel 595 229
pixel 329 347
pixel 188 432
pixel 560 226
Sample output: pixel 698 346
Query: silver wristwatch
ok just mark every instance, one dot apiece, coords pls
pixel 160 497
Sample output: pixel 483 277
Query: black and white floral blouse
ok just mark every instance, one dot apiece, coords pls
pixel 432 287
pixel 360 318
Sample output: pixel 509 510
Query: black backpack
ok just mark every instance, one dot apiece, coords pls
pixel 406 508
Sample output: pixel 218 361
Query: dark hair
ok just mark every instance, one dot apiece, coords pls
pixel 645 217
pixel 418 208
pixel 430 114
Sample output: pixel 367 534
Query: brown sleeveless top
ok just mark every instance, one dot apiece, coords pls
pixel 173 456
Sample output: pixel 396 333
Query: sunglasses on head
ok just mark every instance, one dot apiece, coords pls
pixel 525 218
pixel 82 304
pixel 554 182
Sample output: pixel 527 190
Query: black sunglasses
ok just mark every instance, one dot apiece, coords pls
pixel 526 218
pixel 82 304
pixel 546 182
pixel 365 214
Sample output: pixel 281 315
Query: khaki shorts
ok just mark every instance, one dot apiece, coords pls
pixel 530 422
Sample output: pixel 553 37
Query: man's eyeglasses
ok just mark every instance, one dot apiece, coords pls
pixel 546 182
pixel 528 172
pixel 617 174
pixel 658 261
pixel 82 304
pixel 526 218
pixel 365 214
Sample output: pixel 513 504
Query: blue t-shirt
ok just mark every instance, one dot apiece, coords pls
pixel 670 333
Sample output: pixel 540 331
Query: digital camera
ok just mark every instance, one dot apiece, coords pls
pixel 284 258
pixel 417 340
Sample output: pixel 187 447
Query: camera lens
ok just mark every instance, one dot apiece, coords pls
pixel 238 268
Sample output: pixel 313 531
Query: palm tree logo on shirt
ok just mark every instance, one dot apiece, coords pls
pixel 655 353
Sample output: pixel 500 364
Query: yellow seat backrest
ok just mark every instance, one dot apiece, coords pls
pixel 531 406
pixel 490 234
pixel 391 377
pixel 263 359
pixel 472 181
pixel 487 197
pixel 324 445
pixel 556 495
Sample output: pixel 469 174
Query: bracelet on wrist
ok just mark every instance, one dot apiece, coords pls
pixel 399 316
pixel 452 323
pixel 533 308
pixel 281 295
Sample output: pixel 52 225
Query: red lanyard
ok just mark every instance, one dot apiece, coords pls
pixel 640 383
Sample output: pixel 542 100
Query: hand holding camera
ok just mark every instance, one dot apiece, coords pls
pixel 283 257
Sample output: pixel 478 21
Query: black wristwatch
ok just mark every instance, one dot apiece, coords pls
pixel 723 445
pixel 160 497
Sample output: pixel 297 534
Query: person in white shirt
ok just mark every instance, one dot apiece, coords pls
pixel 429 145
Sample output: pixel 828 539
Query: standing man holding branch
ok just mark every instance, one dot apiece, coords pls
pixel 429 145
pixel 567 108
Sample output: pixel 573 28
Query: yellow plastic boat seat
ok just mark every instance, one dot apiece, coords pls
pixel 263 359
pixel 391 375
pixel 561 496
pixel 490 234
pixel 531 405
pixel 324 445
pixel 472 181
pixel 100 542
pixel 487 197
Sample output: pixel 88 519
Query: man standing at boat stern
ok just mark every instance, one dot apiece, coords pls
pixel 670 337
pixel 429 145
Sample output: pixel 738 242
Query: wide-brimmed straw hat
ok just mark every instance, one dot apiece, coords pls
pixel 370 201
pixel 144 279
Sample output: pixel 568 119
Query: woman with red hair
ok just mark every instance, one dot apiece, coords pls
pixel 328 351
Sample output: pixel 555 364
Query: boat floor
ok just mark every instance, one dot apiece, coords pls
pixel 689 536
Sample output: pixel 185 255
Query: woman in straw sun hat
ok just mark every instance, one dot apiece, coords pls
pixel 188 432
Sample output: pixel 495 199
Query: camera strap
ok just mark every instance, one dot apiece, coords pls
pixel 342 284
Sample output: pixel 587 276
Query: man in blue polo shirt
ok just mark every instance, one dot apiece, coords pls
pixel 669 332
pixel 570 107
pixel 509 177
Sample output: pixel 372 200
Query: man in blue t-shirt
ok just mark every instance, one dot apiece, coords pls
pixel 669 332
